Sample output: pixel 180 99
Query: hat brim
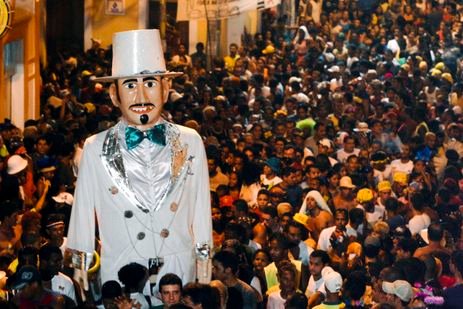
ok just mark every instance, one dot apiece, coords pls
pixel 15 170
pixel 48 169
pixel 18 285
pixel 109 79
pixel 348 186
pixel 362 130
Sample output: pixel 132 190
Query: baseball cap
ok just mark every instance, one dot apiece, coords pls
pixel 284 208
pixel 64 198
pixel 372 241
pixel 332 281
pixel 364 195
pixel 293 79
pixel 384 186
pixel 400 288
pixel 325 142
pixel 27 274
pixel 400 177
pixel 301 218
pixel 448 77
pixel 334 69
pixel 268 50
pixel 47 169
pixel 362 127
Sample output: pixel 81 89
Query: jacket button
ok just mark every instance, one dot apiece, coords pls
pixel 141 235
pixel 164 233
pixel 173 207
pixel 128 214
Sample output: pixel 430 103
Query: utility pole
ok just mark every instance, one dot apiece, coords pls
pixel 163 23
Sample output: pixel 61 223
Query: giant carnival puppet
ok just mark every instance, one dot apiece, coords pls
pixel 144 181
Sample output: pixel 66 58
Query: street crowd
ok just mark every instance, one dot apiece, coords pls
pixel 334 151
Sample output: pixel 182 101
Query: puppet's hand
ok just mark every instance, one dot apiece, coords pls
pixel 81 277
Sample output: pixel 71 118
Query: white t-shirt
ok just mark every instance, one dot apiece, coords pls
pixel 141 299
pixel 382 175
pixel 342 155
pixel 64 245
pixel 249 193
pixel 377 215
pixel 315 286
pixel 275 301
pixel 63 285
pixel 398 166
pixel 393 45
pixel 418 223
pixel 304 253
pixel 301 97
pixel 270 183
pixel 254 245
pixel 255 283
pixel 325 235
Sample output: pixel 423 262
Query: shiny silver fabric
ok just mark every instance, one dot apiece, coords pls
pixel 154 177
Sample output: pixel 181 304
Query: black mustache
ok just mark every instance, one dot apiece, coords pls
pixel 142 104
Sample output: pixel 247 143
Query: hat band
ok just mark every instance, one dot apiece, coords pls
pixel 146 72
pixel 55 224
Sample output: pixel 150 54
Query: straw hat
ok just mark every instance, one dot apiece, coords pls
pixel 346 182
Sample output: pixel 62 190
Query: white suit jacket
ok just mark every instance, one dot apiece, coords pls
pixel 129 230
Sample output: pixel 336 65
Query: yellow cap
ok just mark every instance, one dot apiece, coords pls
pixel 364 195
pixel 400 177
pixel 384 186
pixel 268 50
pixel 354 248
pixel 440 66
pixel 301 218
pixel 86 73
pixel 90 107
pixel 55 101
pixel 406 67
pixel 448 77
pixel 358 100
pixel 423 65
pixel 436 72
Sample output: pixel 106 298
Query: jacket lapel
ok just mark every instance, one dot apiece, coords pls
pixel 113 162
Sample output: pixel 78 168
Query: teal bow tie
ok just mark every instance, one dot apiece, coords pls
pixel 156 134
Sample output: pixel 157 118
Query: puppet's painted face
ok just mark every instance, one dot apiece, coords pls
pixel 140 96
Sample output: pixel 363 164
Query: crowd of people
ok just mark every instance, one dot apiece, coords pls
pixel 334 153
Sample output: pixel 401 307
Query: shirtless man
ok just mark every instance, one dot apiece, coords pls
pixel 345 198
pixel 319 213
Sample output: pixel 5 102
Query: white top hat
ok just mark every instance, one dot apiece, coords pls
pixel 137 53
